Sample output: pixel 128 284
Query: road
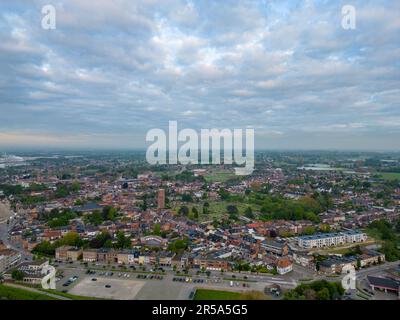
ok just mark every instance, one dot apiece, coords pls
pixel 4 228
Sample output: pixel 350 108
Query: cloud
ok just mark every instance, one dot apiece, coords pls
pixel 115 69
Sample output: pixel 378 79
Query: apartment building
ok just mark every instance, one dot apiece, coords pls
pixel 321 240
pixel 8 259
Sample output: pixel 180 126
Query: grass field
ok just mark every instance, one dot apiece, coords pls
pixel 219 176
pixel 70 296
pixel 11 293
pixel 204 294
pixel 390 175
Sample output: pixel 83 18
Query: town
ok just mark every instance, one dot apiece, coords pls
pixel 109 225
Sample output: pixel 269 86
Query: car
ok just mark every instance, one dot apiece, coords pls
pixel 107 286
pixel 191 295
pixel 94 279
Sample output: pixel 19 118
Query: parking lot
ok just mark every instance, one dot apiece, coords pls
pixel 127 285
pixel 108 288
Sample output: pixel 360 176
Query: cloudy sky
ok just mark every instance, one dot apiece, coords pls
pixel 112 70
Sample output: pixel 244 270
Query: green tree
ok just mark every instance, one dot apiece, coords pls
pixel 323 294
pixel 184 211
pixel 17 275
pixel 249 213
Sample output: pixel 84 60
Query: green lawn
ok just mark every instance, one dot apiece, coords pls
pixel 203 294
pixel 11 293
pixel 390 175
pixel 68 295
pixel 219 176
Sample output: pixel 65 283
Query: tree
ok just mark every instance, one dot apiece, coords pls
pixel 358 264
pixel 232 209
pixel 157 229
pixel 122 240
pixel 224 194
pixel 100 240
pixel 72 239
pixel 75 186
pixel 109 213
pixel 187 197
pixel 17 275
pixel 184 211
pixel 249 213
pixel 323 294
pixel 61 191
pixel 309 230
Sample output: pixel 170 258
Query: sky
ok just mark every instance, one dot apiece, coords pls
pixel 112 70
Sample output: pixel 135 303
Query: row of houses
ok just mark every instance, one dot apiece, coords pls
pixel 336 264
pixel 321 240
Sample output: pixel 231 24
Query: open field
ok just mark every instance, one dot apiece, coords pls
pixel 205 294
pixel 11 293
pixel 390 175
pixel 119 290
pixel 219 176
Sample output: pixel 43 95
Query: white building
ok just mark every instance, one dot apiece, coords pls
pixel 284 266
pixel 331 239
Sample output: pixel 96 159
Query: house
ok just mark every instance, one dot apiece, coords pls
pixel 107 255
pixel 74 254
pixel 336 264
pixel 275 248
pixel 284 265
pixel 304 260
pixel 89 255
pixel 61 253
pixel 68 253
pixel 371 257
pixel 165 259
pixel 128 257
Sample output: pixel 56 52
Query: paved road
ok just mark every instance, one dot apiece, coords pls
pixel 378 268
pixel 4 228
